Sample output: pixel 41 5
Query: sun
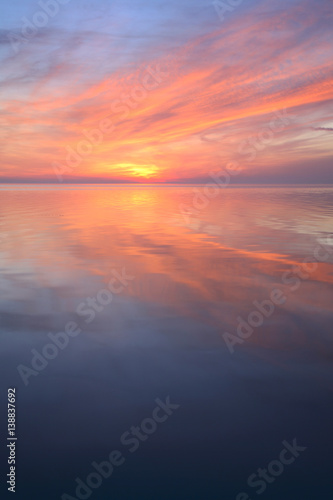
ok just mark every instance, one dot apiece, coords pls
pixel 145 170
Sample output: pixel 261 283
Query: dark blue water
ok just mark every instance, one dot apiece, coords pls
pixel 148 294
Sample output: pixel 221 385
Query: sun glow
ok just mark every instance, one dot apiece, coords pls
pixel 139 170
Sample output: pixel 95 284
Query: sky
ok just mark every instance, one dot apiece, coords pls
pixel 166 91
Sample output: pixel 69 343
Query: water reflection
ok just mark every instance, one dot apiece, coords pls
pixel 163 334
pixel 62 244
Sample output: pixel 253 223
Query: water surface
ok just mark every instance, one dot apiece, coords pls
pixel 163 334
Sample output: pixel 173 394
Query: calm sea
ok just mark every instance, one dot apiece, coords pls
pixel 114 297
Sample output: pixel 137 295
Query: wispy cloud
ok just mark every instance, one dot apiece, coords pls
pixel 328 129
pixel 224 81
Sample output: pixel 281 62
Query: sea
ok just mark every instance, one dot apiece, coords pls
pixel 167 342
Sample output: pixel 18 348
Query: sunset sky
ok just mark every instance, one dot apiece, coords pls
pixel 166 91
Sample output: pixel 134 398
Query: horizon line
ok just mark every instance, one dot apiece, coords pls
pixel 170 183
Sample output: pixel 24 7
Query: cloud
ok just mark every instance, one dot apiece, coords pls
pixel 328 129
pixel 221 87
